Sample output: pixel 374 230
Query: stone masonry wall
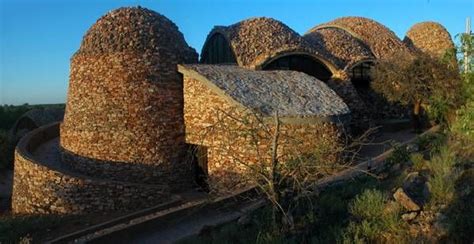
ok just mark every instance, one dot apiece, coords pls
pixel 42 188
pixel 125 99
pixel 117 116
pixel 234 136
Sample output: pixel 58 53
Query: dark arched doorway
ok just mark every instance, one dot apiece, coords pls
pixel 302 63
pixel 361 75
pixel 217 51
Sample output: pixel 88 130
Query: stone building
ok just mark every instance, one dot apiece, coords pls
pixel 33 119
pixel 124 117
pixel 429 37
pixel 227 109
pixel 121 145
pixel 142 117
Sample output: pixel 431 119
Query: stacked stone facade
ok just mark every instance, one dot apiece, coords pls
pixel 234 136
pixel 124 111
pixel 429 37
pixel 130 117
pixel 43 186
pixel 382 41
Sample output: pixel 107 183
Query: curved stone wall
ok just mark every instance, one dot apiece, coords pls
pixel 382 41
pixel 125 98
pixel 256 41
pixel 42 186
pixel 344 48
pixel 429 37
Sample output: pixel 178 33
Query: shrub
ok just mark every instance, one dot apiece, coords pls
pixel 414 79
pixel 417 160
pixel 461 212
pixel 399 155
pixel 463 125
pixel 442 176
pixel 368 205
pixel 377 220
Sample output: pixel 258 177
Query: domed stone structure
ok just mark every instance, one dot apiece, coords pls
pixel 429 37
pixel 255 42
pixel 124 117
pixel 382 41
pixel 341 46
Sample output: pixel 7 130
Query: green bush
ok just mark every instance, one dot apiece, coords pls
pixel 460 214
pixel 399 155
pixel 464 123
pixel 442 176
pixel 368 205
pixel 431 141
pixel 418 161
pixel 438 109
pixel 377 219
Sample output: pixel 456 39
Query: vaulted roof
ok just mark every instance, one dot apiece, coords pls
pixel 255 41
pixel 382 41
pixel 293 94
pixel 342 48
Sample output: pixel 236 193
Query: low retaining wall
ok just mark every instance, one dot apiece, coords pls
pixel 176 176
pixel 40 187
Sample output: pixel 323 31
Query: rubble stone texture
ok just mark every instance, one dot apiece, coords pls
pixel 34 119
pixel 235 134
pixel 345 49
pixel 255 41
pixel 44 187
pixel 382 41
pixel 290 93
pixel 125 99
pixel 429 37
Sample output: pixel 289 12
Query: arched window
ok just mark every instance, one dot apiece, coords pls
pixel 361 76
pixel 217 51
pixel 303 63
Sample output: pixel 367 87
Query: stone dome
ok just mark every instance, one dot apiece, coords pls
pixel 382 41
pixel 429 37
pixel 124 110
pixel 135 29
pixel 256 40
pixel 340 46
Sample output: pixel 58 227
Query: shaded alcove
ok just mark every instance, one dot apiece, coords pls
pixel 360 75
pixel 302 63
pixel 217 51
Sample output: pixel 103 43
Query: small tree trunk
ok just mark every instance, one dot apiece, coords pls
pixel 417 116
pixel 275 191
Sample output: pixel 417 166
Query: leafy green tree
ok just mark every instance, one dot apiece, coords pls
pixel 415 80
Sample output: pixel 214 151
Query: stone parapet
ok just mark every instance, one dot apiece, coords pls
pixel 46 187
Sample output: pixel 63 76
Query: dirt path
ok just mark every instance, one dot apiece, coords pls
pixel 383 142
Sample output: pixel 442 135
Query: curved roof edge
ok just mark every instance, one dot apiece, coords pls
pixel 199 72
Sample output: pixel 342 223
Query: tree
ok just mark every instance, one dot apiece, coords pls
pixel 417 80
pixel 267 153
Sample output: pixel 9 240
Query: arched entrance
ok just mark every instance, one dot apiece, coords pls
pixel 361 76
pixel 217 51
pixel 302 63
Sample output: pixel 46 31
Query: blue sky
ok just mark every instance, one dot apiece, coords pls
pixel 37 38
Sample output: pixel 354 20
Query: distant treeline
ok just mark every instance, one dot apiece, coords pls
pixel 10 113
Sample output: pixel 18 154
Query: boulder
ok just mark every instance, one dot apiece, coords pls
pixel 409 216
pixel 405 200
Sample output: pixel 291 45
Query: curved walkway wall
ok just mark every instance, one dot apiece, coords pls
pixel 42 187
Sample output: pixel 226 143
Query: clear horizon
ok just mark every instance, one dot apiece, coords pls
pixel 37 38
